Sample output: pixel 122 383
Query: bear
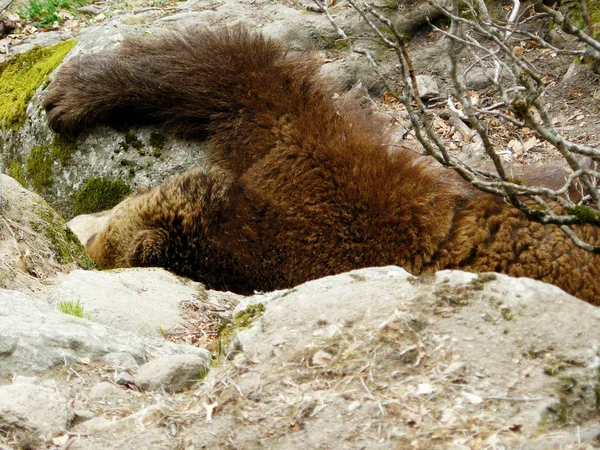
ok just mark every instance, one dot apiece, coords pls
pixel 302 185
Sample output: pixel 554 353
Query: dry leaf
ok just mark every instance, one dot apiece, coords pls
pixel 21 263
pixel 518 51
pixel 61 440
pixel 389 98
pixel 322 358
pixel 424 389
pixel 472 398
pixel 515 428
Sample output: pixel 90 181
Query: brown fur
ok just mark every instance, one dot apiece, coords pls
pixel 301 186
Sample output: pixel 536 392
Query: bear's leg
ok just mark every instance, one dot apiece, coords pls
pixel 148 249
pixel 183 80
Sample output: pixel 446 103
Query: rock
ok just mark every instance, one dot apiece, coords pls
pixel 82 415
pixel 174 373
pixel 93 425
pixel 479 78
pixel 34 406
pixel 556 37
pixel 121 360
pixel 36 336
pixel 89 9
pixel 138 300
pixel 45 245
pixel 124 379
pixel 485 325
pixel 103 389
pixel 427 86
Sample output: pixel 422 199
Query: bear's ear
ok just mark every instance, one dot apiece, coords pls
pixel 149 249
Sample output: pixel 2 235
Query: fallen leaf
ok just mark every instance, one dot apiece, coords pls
pixel 389 98
pixel 61 440
pixel 516 428
pixel 472 398
pixel 424 389
pixel 518 51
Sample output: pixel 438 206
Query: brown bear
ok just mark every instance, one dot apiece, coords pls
pixel 301 185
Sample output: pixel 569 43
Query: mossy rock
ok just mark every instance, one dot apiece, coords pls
pixel 15 170
pixel 38 168
pixel 99 194
pixel 62 149
pixel 21 76
pixel 61 239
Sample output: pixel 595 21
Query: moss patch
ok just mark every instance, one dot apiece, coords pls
pixel 38 168
pixel 20 77
pixel 62 150
pixel 593 8
pixel 99 194
pixel 61 239
pixel 157 142
pixel 242 320
pixel 15 170
pixel 133 141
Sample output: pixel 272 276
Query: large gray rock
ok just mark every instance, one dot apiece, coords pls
pixel 139 300
pixel 518 350
pixel 34 405
pixel 377 358
pixel 34 336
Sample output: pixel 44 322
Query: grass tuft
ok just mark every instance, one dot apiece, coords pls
pixel 73 308
pixel 43 13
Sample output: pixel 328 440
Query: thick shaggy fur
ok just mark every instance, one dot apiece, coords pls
pixel 302 186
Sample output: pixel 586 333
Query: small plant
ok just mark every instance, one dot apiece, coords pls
pixel 73 308
pixel 44 13
pixel 161 331
pixel 202 372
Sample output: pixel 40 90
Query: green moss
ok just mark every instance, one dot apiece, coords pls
pixel 585 214
pixel 593 8
pixel 15 170
pixel 132 141
pixel 342 45
pixel 478 284
pixel 62 240
pixel 357 277
pixel 242 320
pixel 62 150
pixel 20 77
pixel 157 141
pixel 38 168
pixel 99 194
